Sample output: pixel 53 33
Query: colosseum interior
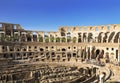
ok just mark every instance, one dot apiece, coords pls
pixel 72 54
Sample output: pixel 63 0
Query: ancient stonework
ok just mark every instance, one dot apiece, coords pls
pixel 19 48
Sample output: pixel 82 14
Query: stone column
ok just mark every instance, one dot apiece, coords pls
pixel 25 36
pixel 31 37
pixel 8 49
pixel 19 36
pixel 37 37
pixel 119 53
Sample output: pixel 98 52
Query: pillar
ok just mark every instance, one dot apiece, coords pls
pixel 119 53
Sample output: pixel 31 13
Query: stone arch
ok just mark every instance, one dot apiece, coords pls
pixel 18 55
pixel 97 53
pixel 116 37
pixel 58 39
pixel 62 32
pixel 105 37
pixel 40 38
pixel 82 53
pixel 79 53
pixel 63 49
pixel 93 52
pixel 107 57
pixel 96 29
pixel 89 53
pixel 108 27
pixel 23 49
pixel 5 55
pixel 84 37
pixel 58 57
pixel 79 40
pixel 47 55
pixel 35 36
pixel 69 56
pixel 63 54
pixel 41 49
pixel 101 54
pixel 90 36
pixel 112 55
pixel 11 55
pixel 53 54
pixel 111 36
pixel 29 38
pixel 74 55
pixel 100 37
pixel 18 49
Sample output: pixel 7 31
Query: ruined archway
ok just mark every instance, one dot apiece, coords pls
pixel 34 36
pixel 101 54
pixel 111 36
pixel 97 53
pixel 116 37
pixel 105 38
pixel 69 56
pixel 100 37
pixel 29 37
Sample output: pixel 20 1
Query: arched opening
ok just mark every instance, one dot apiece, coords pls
pixel 11 55
pixel 24 49
pixel 111 36
pixel 19 56
pixel 41 49
pixel 34 36
pixel 29 38
pixel 96 29
pixel 90 37
pixel 102 54
pixel 116 38
pixel 105 37
pixel 89 53
pixel 58 57
pixel 97 53
pixel 74 55
pixel 18 49
pixel 108 27
pixel 5 56
pixel 69 56
pixel 107 57
pixel 63 39
pixel 40 38
pixel 74 39
pixel 63 54
pixel 47 55
pixel 63 49
pixel 93 53
pixel 79 40
pixel 53 54
pixel 100 37
pixel 82 54
pixel 84 37
pixel 62 32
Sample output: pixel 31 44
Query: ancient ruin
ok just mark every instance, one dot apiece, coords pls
pixel 76 54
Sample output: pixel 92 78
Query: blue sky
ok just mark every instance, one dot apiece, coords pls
pixel 48 15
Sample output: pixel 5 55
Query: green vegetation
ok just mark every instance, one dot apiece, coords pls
pixel 51 39
pixel 68 39
pixel 90 35
pixel 40 39
pixel 74 39
pixel 57 39
pixel 63 39
pixel 8 38
pixel 47 40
